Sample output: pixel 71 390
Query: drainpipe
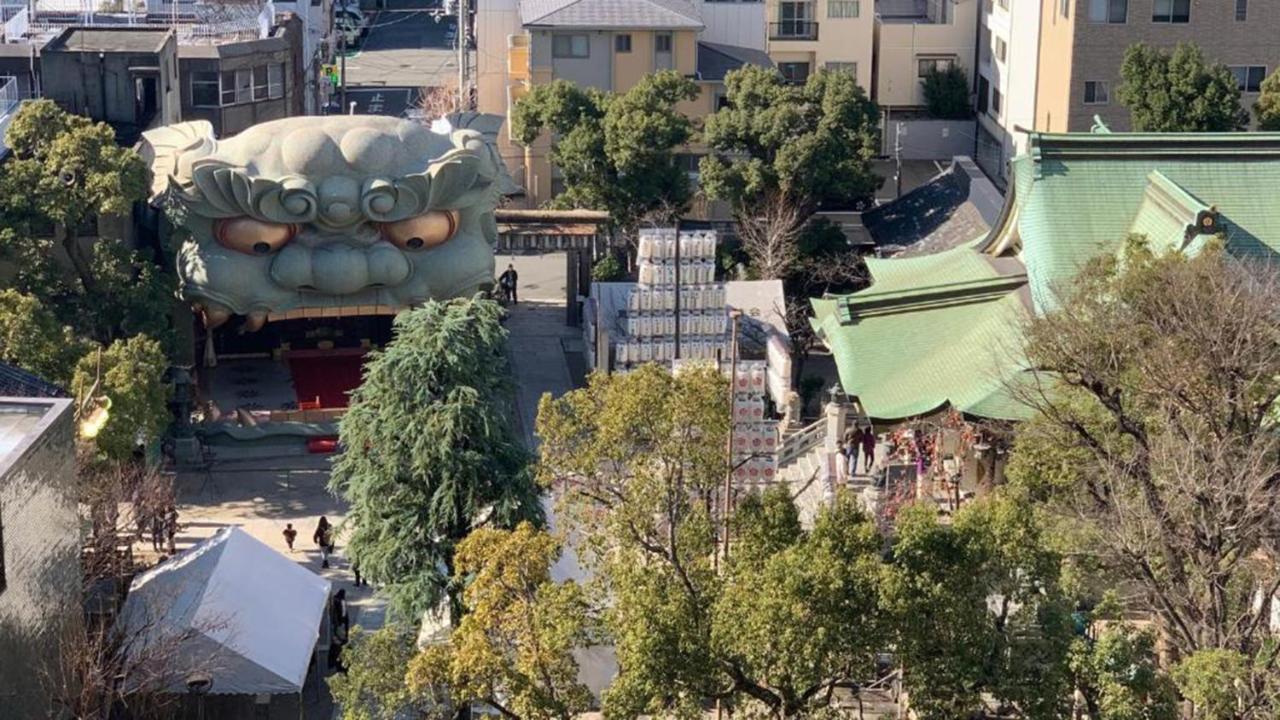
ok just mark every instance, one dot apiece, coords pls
pixel 102 83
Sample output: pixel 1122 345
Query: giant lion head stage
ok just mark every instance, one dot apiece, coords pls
pixel 315 216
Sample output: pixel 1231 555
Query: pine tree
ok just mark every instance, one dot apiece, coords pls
pixel 429 450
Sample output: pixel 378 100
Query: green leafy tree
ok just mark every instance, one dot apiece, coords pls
pixel 639 459
pixel 374 687
pixel 514 648
pixel 32 338
pixel 1153 446
pixel 66 171
pixel 608 269
pixel 1118 679
pixel 430 451
pixel 614 151
pixel 129 373
pixel 1214 679
pixel 1267 108
pixel 977 611
pixel 1179 91
pixel 779 149
pixel 946 93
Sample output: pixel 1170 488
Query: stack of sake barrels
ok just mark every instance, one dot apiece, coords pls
pixel 755 438
pixel 651 318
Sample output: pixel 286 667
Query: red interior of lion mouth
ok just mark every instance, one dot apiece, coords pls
pixel 325 378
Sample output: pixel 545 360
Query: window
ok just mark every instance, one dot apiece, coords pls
pixel 1096 92
pixel 275 80
pixel 794 72
pixel 1249 77
pixel 228 87
pixel 689 163
pixel 845 67
pixel 260 83
pixel 1242 10
pixel 1003 5
pixel 570 46
pixel 1108 11
pixel 984 90
pixel 995 102
pixel 622 43
pixel 721 100
pixel 1001 49
pixel 1064 7
pixel 840 9
pixel 1171 11
pixel 204 89
pixel 244 85
pixel 928 65
pixel 662 42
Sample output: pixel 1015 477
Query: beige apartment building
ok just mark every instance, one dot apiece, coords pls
pixel 1082 45
pixel 605 44
pixel 808 35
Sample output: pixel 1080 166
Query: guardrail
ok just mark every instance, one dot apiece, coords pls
pixel 793 30
pixel 796 444
pixel 9 100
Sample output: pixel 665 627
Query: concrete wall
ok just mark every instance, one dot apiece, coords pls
pixel 41 529
pixel 734 23
pixel 1014 77
pixel 82 82
pixel 284 49
pixel 901 44
pixel 930 139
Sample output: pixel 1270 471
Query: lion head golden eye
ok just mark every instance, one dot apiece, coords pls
pixel 423 231
pixel 253 237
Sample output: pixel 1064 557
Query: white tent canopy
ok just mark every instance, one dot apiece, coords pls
pixel 231 610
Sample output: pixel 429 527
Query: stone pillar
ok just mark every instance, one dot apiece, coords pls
pixel 836 415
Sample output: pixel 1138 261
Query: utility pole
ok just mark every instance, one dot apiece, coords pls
pixel 897 159
pixel 342 59
pixel 463 18
pixel 676 354
pixel 721 556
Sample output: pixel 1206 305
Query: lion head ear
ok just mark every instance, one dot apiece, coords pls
pixel 171 150
pixel 484 126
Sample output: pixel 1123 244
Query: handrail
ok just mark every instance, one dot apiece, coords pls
pixel 801 441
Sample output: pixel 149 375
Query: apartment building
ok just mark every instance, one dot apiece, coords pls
pixel 914 37
pixel 605 44
pixel 135 71
pixel 1008 59
pixel 1082 45
pixel 807 35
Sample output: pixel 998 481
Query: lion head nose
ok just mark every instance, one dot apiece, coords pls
pixel 338 268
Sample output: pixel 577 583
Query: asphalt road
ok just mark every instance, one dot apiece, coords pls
pixel 382 100
pixel 404 49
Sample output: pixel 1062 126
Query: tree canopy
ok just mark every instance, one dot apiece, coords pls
pixel 1267 107
pixel 1153 444
pixel 130 374
pixel 1179 91
pixel 430 453
pixel 946 93
pixel 66 171
pixel 514 648
pixel 614 151
pixel 32 338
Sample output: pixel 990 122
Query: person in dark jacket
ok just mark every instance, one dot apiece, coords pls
pixel 507 281
pixel 323 537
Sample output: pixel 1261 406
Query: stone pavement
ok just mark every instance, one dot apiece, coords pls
pixel 261 488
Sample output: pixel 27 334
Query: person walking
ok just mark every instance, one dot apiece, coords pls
pixel 355 568
pixel 339 628
pixel 290 535
pixel 868 449
pixel 171 529
pixel 507 281
pixel 157 532
pixel 323 536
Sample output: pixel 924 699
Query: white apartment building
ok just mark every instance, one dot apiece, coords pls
pixel 1009 51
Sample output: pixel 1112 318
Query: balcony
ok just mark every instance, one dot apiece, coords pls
pixel 793 30
pixel 9 101
pixel 518 57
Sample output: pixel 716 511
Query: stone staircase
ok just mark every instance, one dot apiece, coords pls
pixel 808 462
